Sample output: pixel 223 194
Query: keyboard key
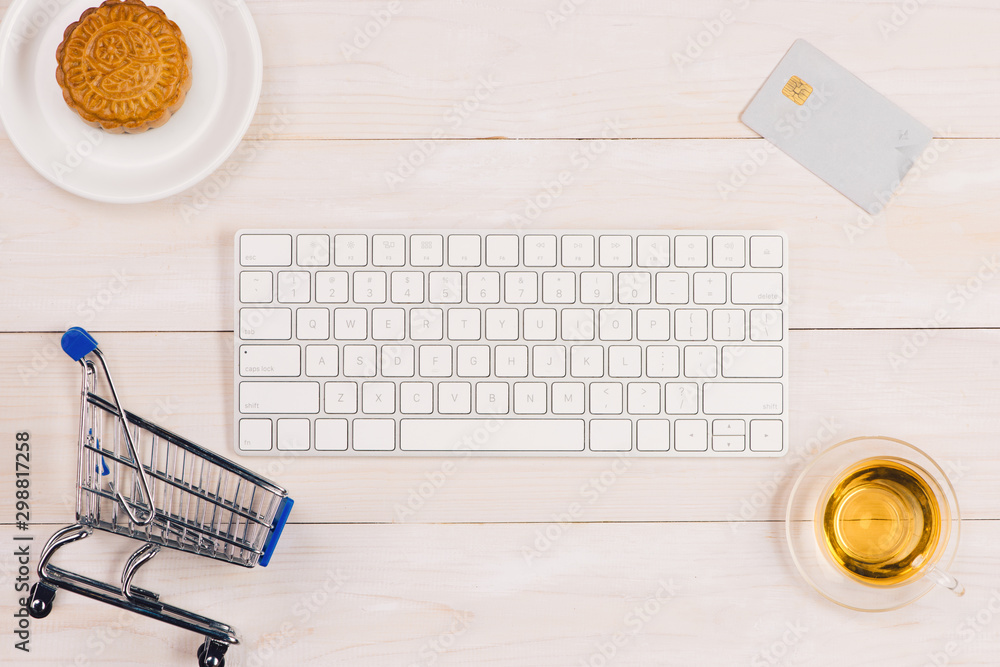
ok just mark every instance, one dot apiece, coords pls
pixel 681 398
pixel 331 435
pixel 728 427
pixel 501 250
pixel 616 251
pixel 606 398
pixel 492 398
pixel 331 287
pixel 269 360
pixel 701 361
pixel 435 360
pixel 255 287
pixel 312 323
pixel 548 361
pixel 728 252
pixel 350 323
pixel 340 398
pixel 464 324
pixel 577 324
pixel 293 435
pixel 426 324
pixel 359 361
pixel 416 398
pixel 752 361
pixel 539 324
pixel 529 398
pixel 652 435
pixel 539 250
pixel 568 398
pixel 766 435
pixel 350 250
pixel 388 250
pixel 751 288
pixel 742 398
pixel 765 252
pixel 625 361
pixel 690 324
pixel 644 398
pixel 426 250
pixel 474 361
pixel 369 287
pixel 652 324
pixel 484 287
pixel 691 251
pixel 255 435
pixel 273 397
pixel 508 434
pixel 378 398
pixel 615 324
pixel 634 287
pixel 265 323
pixel 766 325
pixel 266 250
pixel 520 287
pixel 502 323
pixel 577 250
pixel 321 360
pixel 454 398
pixel 374 435
pixel 690 435
pixel 407 287
pixel 558 287
pixel 445 287
pixel 671 288
pixel 728 443
pixel 312 250
pixel 293 286
pixel 464 250
pixel 728 324
pixel 663 361
pixel 397 361
pixel 597 287
pixel 653 251
pixel 511 361
pixel 610 435
pixel 710 288
pixel 388 323
pixel 587 361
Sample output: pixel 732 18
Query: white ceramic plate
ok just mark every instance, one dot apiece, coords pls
pixel 227 69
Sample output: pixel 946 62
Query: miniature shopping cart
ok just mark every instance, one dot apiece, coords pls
pixel 139 480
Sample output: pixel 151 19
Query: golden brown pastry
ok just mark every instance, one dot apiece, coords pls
pixel 124 66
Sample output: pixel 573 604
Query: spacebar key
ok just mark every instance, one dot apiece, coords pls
pixel 491 435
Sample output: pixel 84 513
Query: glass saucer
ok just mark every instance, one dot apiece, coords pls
pixel 809 555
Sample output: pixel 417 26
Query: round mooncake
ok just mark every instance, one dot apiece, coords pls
pixel 124 67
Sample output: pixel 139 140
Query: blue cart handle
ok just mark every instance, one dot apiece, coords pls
pixel 77 343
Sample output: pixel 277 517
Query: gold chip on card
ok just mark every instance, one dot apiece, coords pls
pixel 797 90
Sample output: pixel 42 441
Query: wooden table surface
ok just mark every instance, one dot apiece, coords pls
pixel 462 115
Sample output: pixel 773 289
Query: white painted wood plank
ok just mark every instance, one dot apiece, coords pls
pixel 64 258
pixel 562 78
pixel 390 595
pixel 843 384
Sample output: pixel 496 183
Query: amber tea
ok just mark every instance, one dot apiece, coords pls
pixel 882 521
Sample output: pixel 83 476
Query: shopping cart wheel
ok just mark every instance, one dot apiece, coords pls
pixel 212 654
pixel 40 604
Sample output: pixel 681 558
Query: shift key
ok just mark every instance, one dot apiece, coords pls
pixel 299 398
pixel 742 398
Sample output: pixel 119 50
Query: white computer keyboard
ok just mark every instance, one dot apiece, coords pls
pixel 575 343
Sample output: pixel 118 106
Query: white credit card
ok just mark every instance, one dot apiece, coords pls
pixel 836 126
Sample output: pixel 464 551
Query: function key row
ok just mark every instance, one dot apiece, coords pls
pixel 510 250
